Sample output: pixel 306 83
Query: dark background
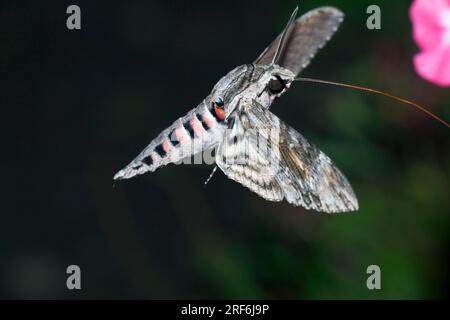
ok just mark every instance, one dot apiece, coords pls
pixel 79 105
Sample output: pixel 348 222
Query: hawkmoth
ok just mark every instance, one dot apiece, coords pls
pixel 253 146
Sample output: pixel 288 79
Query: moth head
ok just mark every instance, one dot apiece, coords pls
pixel 273 83
pixel 251 82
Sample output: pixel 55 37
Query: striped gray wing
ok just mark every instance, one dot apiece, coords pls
pixel 275 161
pixel 304 38
pixel 243 160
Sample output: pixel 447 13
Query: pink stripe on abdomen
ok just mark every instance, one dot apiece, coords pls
pixel 197 127
pixel 181 134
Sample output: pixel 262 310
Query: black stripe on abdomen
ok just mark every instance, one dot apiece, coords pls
pixel 160 150
pixel 187 126
pixel 148 160
pixel 173 138
pixel 204 124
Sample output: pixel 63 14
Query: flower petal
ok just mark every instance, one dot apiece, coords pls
pixel 430 25
pixel 434 65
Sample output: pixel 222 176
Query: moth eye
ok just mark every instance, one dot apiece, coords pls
pixel 276 85
pixel 219 102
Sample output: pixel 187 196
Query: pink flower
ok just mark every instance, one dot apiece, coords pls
pixel 431 31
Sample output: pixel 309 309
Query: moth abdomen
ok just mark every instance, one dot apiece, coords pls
pixel 194 132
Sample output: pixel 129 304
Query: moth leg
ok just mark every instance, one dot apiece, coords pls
pixel 211 175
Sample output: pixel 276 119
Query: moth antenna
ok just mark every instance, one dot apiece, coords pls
pixel 391 96
pixel 283 36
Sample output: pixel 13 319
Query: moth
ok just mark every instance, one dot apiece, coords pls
pixel 252 145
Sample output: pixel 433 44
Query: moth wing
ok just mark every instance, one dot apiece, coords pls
pixel 273 159
pixel 240 158
pixel 303 38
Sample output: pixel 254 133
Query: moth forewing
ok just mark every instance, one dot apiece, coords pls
pixel 283 163
pixel 307 35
